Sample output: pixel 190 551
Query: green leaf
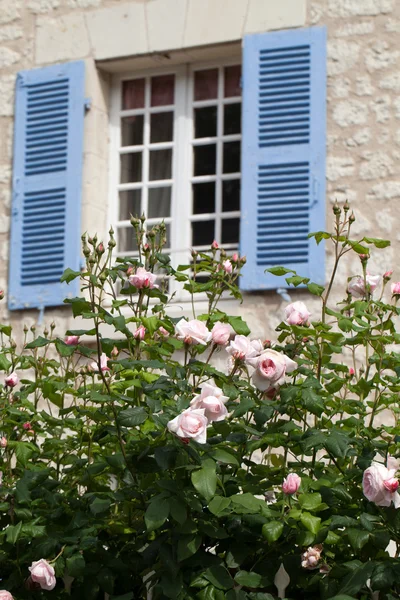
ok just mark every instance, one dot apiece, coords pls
pixel 225 457
pixel 187 546
pixel 76 565
pixel 6 329
pixel 279 271
pixel 131 417
pixel 310 522
pixel 315 289
pixel 337 444
pixel 239 325
pixel 378 243
pixel 39 342
pixel 310 501
pixel 13 533
pixel 219 504
pixel 205 479
pixel 248 579
pixel 357 247
pixel 100 505
pixel 243 503
pixel 64 349
pixel 353 583
pixel 272 531
pixel 357 538
pixel 157 513
pixel 219 577
pixel 23 451
pixel 5 364
pixel 69 275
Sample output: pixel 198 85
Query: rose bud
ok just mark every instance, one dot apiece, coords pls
pixel 3 444
pixel 140 333
pixel 291 484
pixel 395 289
pixel 27 425
pixel 227 266
pixel 222 333
pixel 1 294
pixel 11 380
pixel 214 245
pixel 72 340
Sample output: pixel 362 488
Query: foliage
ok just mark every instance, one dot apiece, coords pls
pixel 96 483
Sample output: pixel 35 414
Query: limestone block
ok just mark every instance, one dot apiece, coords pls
pixel 350 29
pixel 362 136
pixel 96 133
pixel 380 56
pixel 263 16
pixel 391 82
pixel 63 38
pixel 350 112
pixel 84 3
pixel 396 104
pixel 381 107
pixel 97 86
pixel 316 12
pixel 340 87
pixel 376 165
pixel 42 6
pixel 384 219
pixel 5 173
pixel 351 8
pixel 392 25
pixel 339 167
pixel 9 11
pixel 342 56
pixel 8 57
pixel 387 190
pixel 4 223
pixel 208 21
pixel 364 86
pixel 11 32
pixel 7 84
pixel 118 31
pixel 165 24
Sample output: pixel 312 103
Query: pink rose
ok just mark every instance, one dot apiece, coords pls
pixel 72 340
pixel 291 484
pixel 297 314
pixel 213 401
pixel 235 257
pixel 395 287
pixel 270 369
pixel 140 333
pixel 214 245
pixel 221 333
pixel 387 275
pixel 143 279
pixel 3 444
pixel 43 574
pixel 193 332
pixel 103 363
pixel 227 266
pixel 11 380
pixel 356 285
pixel 162 331
pixel 190 424
pixel 241 348
pixel 311 557
pixel 4 595
pixel 380 485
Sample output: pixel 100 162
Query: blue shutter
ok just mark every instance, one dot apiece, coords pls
pixel 47 181
pixel 283 155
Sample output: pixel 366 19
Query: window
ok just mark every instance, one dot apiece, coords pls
pixel 176 139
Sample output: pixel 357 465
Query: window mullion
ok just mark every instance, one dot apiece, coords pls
pixel 146 141
pixel 219 165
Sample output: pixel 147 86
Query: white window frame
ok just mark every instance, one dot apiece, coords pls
pixel 182 163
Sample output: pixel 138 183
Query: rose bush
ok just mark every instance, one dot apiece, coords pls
pixel 134 465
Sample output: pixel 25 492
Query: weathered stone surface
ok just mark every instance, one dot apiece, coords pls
pixel 263 16
pixel 350 112
pixel 61 38
pixel 10 11
pixel 42 6
pixel 341 87
pixel 361 28
pixel 339 167
pixel 391 82
pixel 11 32
pixel 316 13
pixel 387 190
pixel 8 57
pixel 351 8
pixel 381 107
pixel 84 3
pixel 342 56
pixel 380 56
pixel 165 24
pixel 7 84
pixel 376 165
pixel 363 86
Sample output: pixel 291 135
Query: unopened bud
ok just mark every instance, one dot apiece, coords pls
pixel 52 325
pixel 13 343
pixel 46 332
pixel 26 329
pixel 352 218
pixel 146 248
pixel 112 243
pixel 33 328
pixel 243 260
pixel 364 258
pixel 100 249
pixel 387 275
pixel 1 294
pixel 143 218
pixel 267 343
pixel 114 352
pixel 336 208
pixel 135 222
pixel 214 245
pixel 194 253
pixel 346 206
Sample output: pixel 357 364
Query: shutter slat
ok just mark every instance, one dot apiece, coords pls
pixel 47 179
pixel 283 154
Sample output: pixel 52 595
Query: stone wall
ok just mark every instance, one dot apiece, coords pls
pixel 363 99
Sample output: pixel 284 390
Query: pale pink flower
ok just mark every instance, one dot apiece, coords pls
pixel 27 426
pixel 297 314
pixel 103 363
pixel 311 557
pixel 388 274
pixel 3 444
pixel 140 333
pixel 190 424
pixel 43 574
pixel 143 279
pixel 270 369
pixel 351 371
pixel 162 331
pixel 235 257
pixel 356 286
pixel 193 332
pixel 214 245
pixel 222 333
pixel 291 484
pixel 4 595
pixel 241 348
pixel 395 287
pixel 380 484
pixel 227 266
pixel 72 340
pixel 213 401
pixel 11 380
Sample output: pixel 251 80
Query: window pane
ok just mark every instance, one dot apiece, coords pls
pixel 231 157
pixel 159 202
pixel 203 198
pixel 206 84
pixel 132 130
pixel 231 195
pixel 205 159
pixel 160 164
pixel 232 118
pixel 126 239
pixel 205 122
pixel 162 90
pixel 203 233
pixel 129 204
pixel 230 231
pixel 161 127
pixel 133 94
pixel 131 167
pixel 232 81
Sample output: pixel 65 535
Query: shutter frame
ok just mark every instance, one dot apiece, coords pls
pixel 260 152
pixel 46 184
